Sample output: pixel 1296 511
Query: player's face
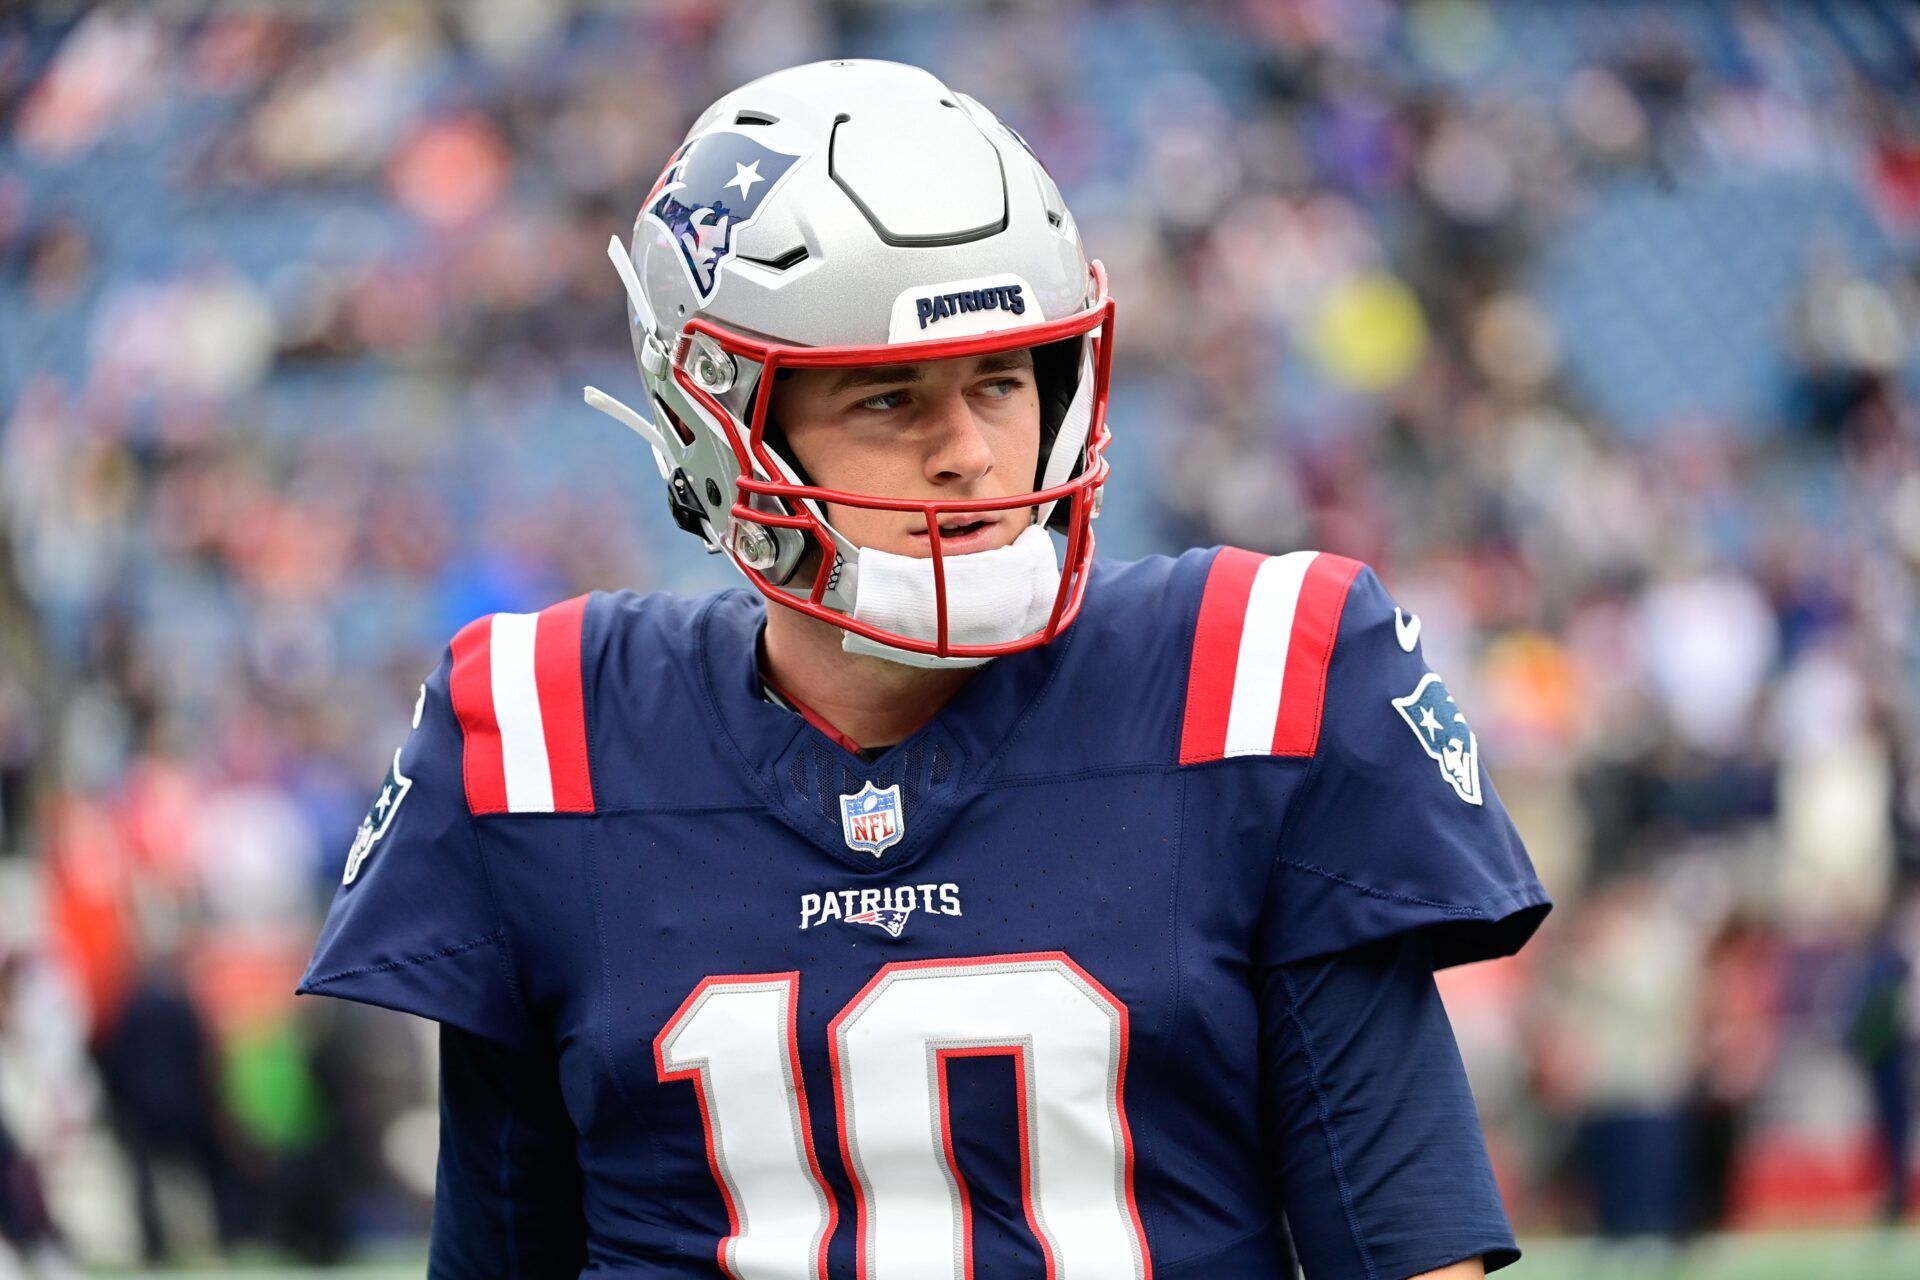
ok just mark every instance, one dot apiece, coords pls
pixel 962 428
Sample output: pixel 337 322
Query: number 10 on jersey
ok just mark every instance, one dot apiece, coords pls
pixel 735 1039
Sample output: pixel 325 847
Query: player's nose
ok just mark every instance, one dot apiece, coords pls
pixel 960 452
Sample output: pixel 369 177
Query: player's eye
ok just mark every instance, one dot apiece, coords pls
pixel 884 401
pixel 1000 388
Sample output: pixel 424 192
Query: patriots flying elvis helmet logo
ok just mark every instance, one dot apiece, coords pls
pixel 712 188
pixel 892 919
pixel 1444 734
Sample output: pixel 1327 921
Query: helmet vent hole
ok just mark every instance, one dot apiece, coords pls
pixel 1054 219
pixel 755 117
pixel 680 428
pixel 791 258
pixel 949 102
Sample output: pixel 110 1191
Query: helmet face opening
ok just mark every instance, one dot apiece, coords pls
pixel 707 364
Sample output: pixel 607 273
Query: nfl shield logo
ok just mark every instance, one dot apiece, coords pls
pixel 870 818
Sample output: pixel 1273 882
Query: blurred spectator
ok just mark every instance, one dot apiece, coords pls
pixel 1616 1027
pixel 1737 1035
pixel 158 1069
pixel 28 1233
pixel 1880 1034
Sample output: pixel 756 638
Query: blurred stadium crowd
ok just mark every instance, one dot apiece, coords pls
pixel 1591 324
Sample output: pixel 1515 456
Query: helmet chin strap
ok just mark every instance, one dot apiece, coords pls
pixel 992 597
pixel 1071 438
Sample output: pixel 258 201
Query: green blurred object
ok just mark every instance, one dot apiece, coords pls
pixel 1797 1255
pixel 269 1091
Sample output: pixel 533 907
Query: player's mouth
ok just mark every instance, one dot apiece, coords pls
pixel 960 534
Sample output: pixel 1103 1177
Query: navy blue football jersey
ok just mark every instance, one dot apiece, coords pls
pixel 994 994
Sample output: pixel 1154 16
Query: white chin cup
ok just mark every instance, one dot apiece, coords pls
pixel 992 597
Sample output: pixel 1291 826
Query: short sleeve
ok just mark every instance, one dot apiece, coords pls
pixel 1377 1156
pixel 413 925
pixel 1397 825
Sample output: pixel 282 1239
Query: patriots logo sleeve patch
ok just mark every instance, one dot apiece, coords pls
pixel 393 789
pixel 708 194
pixel 1444 734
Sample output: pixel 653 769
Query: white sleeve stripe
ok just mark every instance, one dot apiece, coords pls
pixel 516 709
pixel 1261 665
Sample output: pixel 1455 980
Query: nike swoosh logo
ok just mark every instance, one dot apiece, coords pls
pixel 1406 627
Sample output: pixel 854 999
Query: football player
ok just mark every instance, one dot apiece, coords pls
pixel 946 902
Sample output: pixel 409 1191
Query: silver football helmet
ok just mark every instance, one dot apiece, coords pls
pixel 842 214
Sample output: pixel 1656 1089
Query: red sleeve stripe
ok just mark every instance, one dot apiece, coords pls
pixel 1257 678
pixel 1216 641
pixel 516 690
pixel 563 708
pixel 1266 634
pixel 1316 622
pixel 471 688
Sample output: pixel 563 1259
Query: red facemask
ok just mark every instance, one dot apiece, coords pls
pixel 764 484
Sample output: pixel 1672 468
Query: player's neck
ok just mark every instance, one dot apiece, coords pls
pixel 871 700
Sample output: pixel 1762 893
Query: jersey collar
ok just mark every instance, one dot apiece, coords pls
pixel 801 770
pixel 781 698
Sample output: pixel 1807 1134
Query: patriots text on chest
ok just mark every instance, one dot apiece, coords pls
pixel 838 904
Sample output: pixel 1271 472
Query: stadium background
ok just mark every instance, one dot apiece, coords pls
pixel 1591 324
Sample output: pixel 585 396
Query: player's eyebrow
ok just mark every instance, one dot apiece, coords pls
pixel 875 375
pixel 1003 362
pixel 902 375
